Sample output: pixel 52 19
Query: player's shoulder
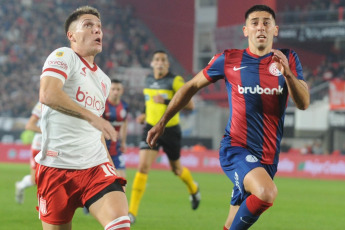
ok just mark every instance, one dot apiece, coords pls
pixel 287 51
pixel 228 53
pixel 38 105
pixel 37 109
pixel 149 76
pixel 173 75
pixel 233 51
pixel 124 103
pixel 63 52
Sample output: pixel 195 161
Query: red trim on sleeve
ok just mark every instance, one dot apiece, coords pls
pixel 56 71
pixel 208 66
pixel 207 76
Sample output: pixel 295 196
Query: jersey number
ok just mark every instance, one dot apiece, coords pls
pixel 109 170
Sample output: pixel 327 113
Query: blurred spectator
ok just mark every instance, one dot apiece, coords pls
pixel 284 146
pixel 28 32
pixel 198 147
pixel 317 148
pixel 342 150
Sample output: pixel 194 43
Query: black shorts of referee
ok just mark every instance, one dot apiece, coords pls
pixel 170 141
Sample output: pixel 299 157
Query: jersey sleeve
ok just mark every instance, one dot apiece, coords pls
pixel 58 64
pixel 177 83
pixel 126 107
pixel 37 110
pixel 215 68
pixel 295 65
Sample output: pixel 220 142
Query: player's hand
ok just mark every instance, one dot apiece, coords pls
pixel 154 133
pixel 283 63
pixel 141 118
pixel 123 148
pixel 105 127
pixel 158 99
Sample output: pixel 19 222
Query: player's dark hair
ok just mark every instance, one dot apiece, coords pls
pixel 79 12
pixel 260 8
pixel 159 52
pixel 116 81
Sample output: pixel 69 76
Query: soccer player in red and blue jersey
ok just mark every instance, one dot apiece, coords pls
pixel 259 81
pixel 116 111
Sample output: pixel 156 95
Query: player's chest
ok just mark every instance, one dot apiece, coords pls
pixel 254 72
pixel 116 113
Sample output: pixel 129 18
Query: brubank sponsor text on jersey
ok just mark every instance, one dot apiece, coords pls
pixel 259 90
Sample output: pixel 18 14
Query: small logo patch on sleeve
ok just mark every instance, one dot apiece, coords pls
pixel 59 54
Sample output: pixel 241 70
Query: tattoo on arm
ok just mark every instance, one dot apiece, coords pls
pixel 68 112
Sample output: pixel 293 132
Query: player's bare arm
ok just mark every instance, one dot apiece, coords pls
pixel 108 155
pixel 52 95
pixel 298 89
pixel 190 105
pixel 32 124
pixel 141 118
pixel 179 101
pixel 159 99
pixel 123 135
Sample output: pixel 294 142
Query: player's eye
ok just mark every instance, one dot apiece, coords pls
pixel 88 25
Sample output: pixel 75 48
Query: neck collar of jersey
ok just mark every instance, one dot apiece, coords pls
pixel 256 56
pixel 93 69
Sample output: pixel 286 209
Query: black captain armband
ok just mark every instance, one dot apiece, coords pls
pixel 166 101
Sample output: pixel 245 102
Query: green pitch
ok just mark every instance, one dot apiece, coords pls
pixel 300 205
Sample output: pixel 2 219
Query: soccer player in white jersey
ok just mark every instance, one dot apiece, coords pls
pixel 74 167
pixel 33 124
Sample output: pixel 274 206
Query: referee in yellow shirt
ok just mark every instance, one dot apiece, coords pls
pixel 159 89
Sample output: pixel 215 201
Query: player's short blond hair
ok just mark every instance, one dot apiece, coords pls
pixel 79 12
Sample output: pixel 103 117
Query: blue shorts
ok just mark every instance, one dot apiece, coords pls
pixel 236 162
pixel 117 157
pixel 119 161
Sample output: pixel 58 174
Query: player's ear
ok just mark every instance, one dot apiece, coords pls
pixel 151 64
pixel 245 31
pixel 70 36
pixel 276 31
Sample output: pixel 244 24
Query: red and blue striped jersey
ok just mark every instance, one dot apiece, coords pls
pixel 116 115
pixel 257 95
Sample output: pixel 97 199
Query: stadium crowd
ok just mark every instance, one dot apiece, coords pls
pixel 31 29
pixel 28 34
pixel 314 11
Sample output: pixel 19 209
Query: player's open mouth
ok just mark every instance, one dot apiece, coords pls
pixel 98 40
pixel 261 37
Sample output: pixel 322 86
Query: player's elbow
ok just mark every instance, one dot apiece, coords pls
pixel 45 97
pixel 303 105
pixel 28 126
pixel 190 105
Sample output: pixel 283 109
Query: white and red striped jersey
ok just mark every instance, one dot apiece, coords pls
pixel 69 142
pixel 36 141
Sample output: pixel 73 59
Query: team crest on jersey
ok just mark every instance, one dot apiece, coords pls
pixel 59 54
pixel 273 69
pixel 251 158
pixel 43 206
pixel 104 89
